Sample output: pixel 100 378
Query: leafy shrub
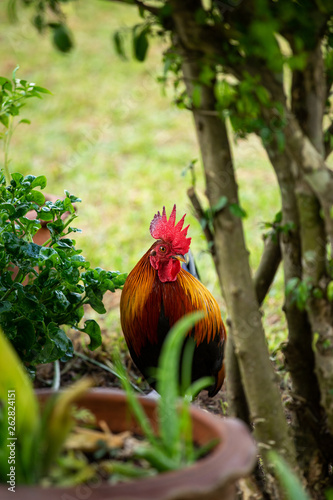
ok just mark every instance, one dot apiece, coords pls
pixel 58 280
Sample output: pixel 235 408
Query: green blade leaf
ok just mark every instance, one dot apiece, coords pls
pixel 290 483
pixel 15 381
pixel 133 403
pixel 167 384
pixel 58 421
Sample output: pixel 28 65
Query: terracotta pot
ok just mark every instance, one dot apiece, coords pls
pixel 211 478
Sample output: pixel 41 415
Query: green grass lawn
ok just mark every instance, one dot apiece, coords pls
pixel 109 135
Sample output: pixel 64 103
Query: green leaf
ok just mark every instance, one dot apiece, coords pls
pixel 49 253
pixel 37 197
pixel 28 122
pixel 118 41
pixel 45 214
pixel 291 285
pixel 59 338
pixel 8 208
pixel 42 90
pixel 237 210
pixel 4 119
pixel 3 80
pixel 60 301
pixel 17 178
pixel 196 95
pixel 5 306
pixel 140 42
pixel 21 210
pixel 68 205
pixel 26 335
pixel 317 293
pixel 119 280
pixel 330 291
pixel 197 386
pixel 92 329
pixel 302 294
pixel 56 227
pixel 39 181
pixel 207 75
pixel 278 217
pixel 62 38
pixel 95 302
pixel 223 201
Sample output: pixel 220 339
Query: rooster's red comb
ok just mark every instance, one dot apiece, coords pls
pixel 166 230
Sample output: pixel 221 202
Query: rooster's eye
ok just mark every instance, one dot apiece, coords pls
pixel 162 249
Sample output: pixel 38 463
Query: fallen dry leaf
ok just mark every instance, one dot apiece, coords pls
pixel 87 440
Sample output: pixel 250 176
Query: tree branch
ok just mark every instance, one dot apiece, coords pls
pixel 268 266
pixel 149 8
pixel 200 215
pixel 328 143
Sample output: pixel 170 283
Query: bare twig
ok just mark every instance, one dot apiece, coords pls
pixel 200 215
pixel 104 367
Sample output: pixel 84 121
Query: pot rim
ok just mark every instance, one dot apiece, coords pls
pixel 232 458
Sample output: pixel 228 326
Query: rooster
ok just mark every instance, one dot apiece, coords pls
pixel 158 292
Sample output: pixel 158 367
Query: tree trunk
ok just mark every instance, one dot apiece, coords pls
pixel 298 353
pixel 257 372
pixel 305 142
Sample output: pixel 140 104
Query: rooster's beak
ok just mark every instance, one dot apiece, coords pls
pixel 181 258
